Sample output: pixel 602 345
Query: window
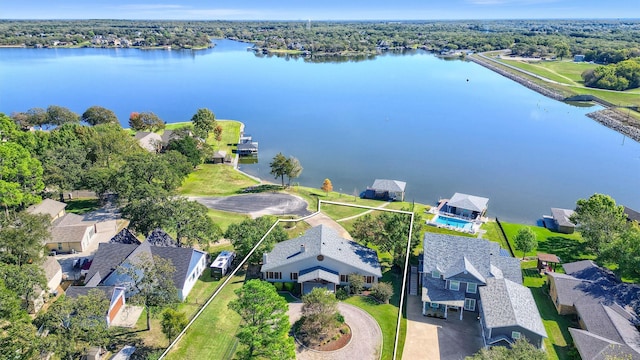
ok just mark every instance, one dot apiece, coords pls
pixel 454 285
pixel 472 288
pixel 515 335
pixel 369 279
pixel 274 275
pixel 294 276
pixel 435 305
pixel 435 274
pixel 470 304
pixel 59 246
pixel 344 278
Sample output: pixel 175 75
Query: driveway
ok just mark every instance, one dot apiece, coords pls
pixel 257 205
pixel 366 338
pixel 431 338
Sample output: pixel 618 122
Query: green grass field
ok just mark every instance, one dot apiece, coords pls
pixel 566 72
pixel 215 180
pixel 569 247
pixel 82 206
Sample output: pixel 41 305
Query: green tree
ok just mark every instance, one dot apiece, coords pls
pixel 382 291
pixel 599 220
pixel 189 147
pixel 624 251
pixel 173 322
pixel 27 281
pixel 151 282
pixel 327 186
pixel 245 235
pixel 110 144
pixel 151 121
pixel 368 229
pixel 22 238
pixel 525 241
pixel 135 121
pixel 356 283
pixel 64 167
pixel 279 166
pixel 562 49
pixel 204 121
pixel 20 177
pixel 58 115
pixel 265 323
pixel 396 230
pixel 294 169
pixel 96 115
pixel 521 349
pixel 319 314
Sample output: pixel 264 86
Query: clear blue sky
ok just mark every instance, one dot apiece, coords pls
pixel 317 10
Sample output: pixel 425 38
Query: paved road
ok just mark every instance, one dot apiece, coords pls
pixel 257 205
pixel 366 340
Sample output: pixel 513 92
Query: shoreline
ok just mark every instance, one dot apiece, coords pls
pixel 608 117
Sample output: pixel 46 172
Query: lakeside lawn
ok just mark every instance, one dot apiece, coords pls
pixel 569 247
pixel 215 180
pixel 226 218
pixel 566 71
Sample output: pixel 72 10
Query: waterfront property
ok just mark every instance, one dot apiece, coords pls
pixel 603 307
pixel 383 189
pixel 149 141
pixel 559 221
pixel 320 258
pixel 467 275
pixel 462 212
pixel 246 146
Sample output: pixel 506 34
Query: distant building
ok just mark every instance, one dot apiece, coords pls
pixel 561 220
pixel 578 58
pixel 383 189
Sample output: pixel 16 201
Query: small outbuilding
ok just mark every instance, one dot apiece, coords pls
pixel 383 189
pixel 547 262
pixel 465 206
pixel 219 157
pixel 561 220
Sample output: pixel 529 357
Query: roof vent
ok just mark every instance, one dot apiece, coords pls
pixel 302 248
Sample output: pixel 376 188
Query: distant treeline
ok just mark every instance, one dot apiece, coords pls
pixel 602 41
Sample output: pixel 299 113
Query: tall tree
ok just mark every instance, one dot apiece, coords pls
pixel 173 322
pixel 20 176
pixel 369 229
pixel 135 122
pixel 562 49
pixel 525 241
pixel 22 238
pixel 245 235
pixel 294 169
pixel 624 251
pixel 204 121
pixel 319 314
pixel 64 167
pixel 265 323
pixel 151 282
pixel 217 134
pixel 599 220
pixel 96 115
pixel 58 115
pixel 110 144
pixel 279 167
pixel 327 186
pixel 151 121
pixel 27 281
pixel 189 147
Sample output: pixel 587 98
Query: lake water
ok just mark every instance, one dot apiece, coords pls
pixel 441 126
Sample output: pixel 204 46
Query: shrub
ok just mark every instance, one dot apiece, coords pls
pixel 278 286
pixel 340 318
pixel 356 283
pixel 345 330
pixel 342 294
pixel 289 286
pixel 382 291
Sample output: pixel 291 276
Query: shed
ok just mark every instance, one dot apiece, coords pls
pixel 219 157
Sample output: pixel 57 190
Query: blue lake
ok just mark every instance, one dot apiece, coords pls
pixel 441 126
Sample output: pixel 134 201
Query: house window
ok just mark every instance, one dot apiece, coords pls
pixel 472 288
pixel 344 278
pixel 470 304
pixel 454 285
pixel 294 276
pixel 435 274
pixel 277 275
pixel 435 305
pixel 369 279
pixel 515 335
pixel 59 246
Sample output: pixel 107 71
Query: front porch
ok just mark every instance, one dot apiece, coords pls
pixel 442 311
pixel 318 277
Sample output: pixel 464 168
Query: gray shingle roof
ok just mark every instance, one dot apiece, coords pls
pixel 75 291
pixel 180 258
pixel 593 347
pixel 632 215
pixel 464 266
pixel 434 291
pixel 389 185
pixel 506 303
pixel 443 252
pixel 107 259
pixel 125 236
pixel 579 266
pixel 47 206
pixel 159 237
pixel 561 216
pixel 318 272
pixel 51 267
pixel 322 240
pixel 469 202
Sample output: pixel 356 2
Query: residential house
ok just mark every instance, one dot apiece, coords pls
pixel 189 263
pixel 247 148
pixel 149 141
pixel 461 274
pixel 466 206
pixel 632 215
pixel 561 220
pixel 384 189
pixel 55 209
pixel 53 273
pixel 320 258
pixel 115 295
pixel 605 309
pixel 169 135
pixel 578 58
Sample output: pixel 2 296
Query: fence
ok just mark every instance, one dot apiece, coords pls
pixel 505 238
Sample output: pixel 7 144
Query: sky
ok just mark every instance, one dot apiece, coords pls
pixel 318 10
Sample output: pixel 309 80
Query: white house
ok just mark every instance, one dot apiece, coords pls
pixel 320 258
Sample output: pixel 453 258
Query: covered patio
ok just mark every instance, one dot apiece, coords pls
pixel 439 302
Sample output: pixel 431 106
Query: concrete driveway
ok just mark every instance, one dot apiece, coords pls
pixel 257 205
pixel 366 340
pixel 430 338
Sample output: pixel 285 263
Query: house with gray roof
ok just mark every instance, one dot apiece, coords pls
pixel 384 189
pixel 115 295
pixel 470 275
pixel 55 209
pixel 189 263
pixel 320 258
pixel 561 220
pixel 604 307
pixel 470 207
pixel 149 141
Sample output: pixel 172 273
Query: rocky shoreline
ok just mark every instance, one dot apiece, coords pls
pixel 608 117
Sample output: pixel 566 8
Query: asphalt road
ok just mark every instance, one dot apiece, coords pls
pixel 258 204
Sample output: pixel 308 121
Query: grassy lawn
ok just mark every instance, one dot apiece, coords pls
pixel 215 180
pixel 386 314
pixel 212 336
pixel 311 196
pixel 82 206
pixel 226 218
pixel 569 247
pixel 493 234
pixel 559 340
pixel 567 72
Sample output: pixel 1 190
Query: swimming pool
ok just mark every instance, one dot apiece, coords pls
pixel 449 221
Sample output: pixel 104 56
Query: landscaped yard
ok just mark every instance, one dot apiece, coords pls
pixel 569 247
pixel 215 180
pixel 82 206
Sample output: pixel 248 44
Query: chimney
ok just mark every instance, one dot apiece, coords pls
pixel 301 248
pixel 264 258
